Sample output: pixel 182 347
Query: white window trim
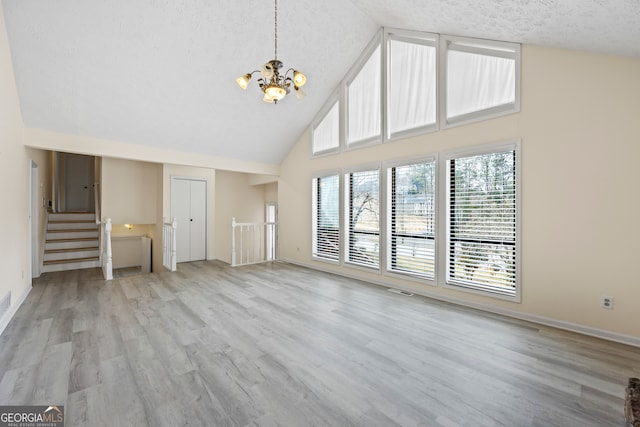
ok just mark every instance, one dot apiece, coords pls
pixel 319 118
pixel 376 42
pixel 480 46
pixel 443 211
pixel 345 218
pixel 319 175
pixel 417 37
pixel 386 218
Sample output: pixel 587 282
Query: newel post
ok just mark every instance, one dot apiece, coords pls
pixel 107 260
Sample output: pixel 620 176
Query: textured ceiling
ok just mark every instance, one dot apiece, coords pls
pixel 161 72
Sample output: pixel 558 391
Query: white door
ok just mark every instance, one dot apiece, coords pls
pixel 78 171
pixel 189 207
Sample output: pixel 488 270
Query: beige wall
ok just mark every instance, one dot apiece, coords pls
pixel 15 263
pixel 580 131
pixel 235 197
pixel 129 191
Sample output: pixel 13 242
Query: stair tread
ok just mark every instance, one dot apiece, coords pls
pixel 74 230
pixel 77 239
pixel 72 221
pixel 73 212
pixel 58 251
pixel 69 261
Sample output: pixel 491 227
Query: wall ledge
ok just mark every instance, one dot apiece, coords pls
pixel 534 318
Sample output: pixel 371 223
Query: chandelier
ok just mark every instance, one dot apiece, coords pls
pixel 273 84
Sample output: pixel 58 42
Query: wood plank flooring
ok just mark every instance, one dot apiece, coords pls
pixel 281 345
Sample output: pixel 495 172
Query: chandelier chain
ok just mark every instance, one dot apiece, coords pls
pixel 276 29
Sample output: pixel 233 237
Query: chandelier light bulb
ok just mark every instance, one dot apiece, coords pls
pixel 243 81
pixel 298 78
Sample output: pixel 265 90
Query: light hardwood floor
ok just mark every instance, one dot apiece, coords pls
pixel 281 345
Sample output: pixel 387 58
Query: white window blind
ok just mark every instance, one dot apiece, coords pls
pixel 326 135
pixel 326 218
pixel 481 232
pixel 412 219
pixel 479 79
pixel 363 101
pixel 363 219
pixel 411 100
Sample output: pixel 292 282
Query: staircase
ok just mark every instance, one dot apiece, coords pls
pixel 72 242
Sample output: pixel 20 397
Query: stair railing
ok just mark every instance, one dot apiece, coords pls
pixel 252 242
pixel 106 254
pixel 169 247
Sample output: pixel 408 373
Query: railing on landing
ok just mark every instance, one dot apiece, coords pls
pixel 169 252
pixel 253 242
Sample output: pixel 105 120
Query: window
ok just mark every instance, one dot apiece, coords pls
pixel 410 82
pixel 411 87
pixel 363 101
pixel 411 216
pixel 326 134
pixel 363 220
pixel 482 79
pixel 482 221
pixel 326 217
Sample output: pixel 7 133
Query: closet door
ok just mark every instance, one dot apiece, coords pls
pixel 198 223
pixel 189 207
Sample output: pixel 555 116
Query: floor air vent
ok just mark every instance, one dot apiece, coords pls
pixel 5 303
pixel 401 292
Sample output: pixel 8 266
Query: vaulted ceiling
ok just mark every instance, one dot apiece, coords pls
pixel 162 72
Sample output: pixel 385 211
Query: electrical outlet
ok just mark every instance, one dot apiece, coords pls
pixel 606 302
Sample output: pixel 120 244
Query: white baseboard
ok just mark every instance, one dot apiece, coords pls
pixel 542 320
pixel 4 322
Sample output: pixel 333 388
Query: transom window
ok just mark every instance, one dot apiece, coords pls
pixel 325 136
pixel 482 79
pixel 429 82
pixel 411 88
pixel 363 101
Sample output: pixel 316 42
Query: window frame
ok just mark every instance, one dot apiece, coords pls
pixel 333 100
pixel 416 37
pixel 483 47
pixel 314 215
pixel 388 218
pixel 346 214
pixel 445 212
pixel 375 43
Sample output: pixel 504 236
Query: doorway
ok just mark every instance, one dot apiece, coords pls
pixel 76 182
pixel 35 220
pixel 189 207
